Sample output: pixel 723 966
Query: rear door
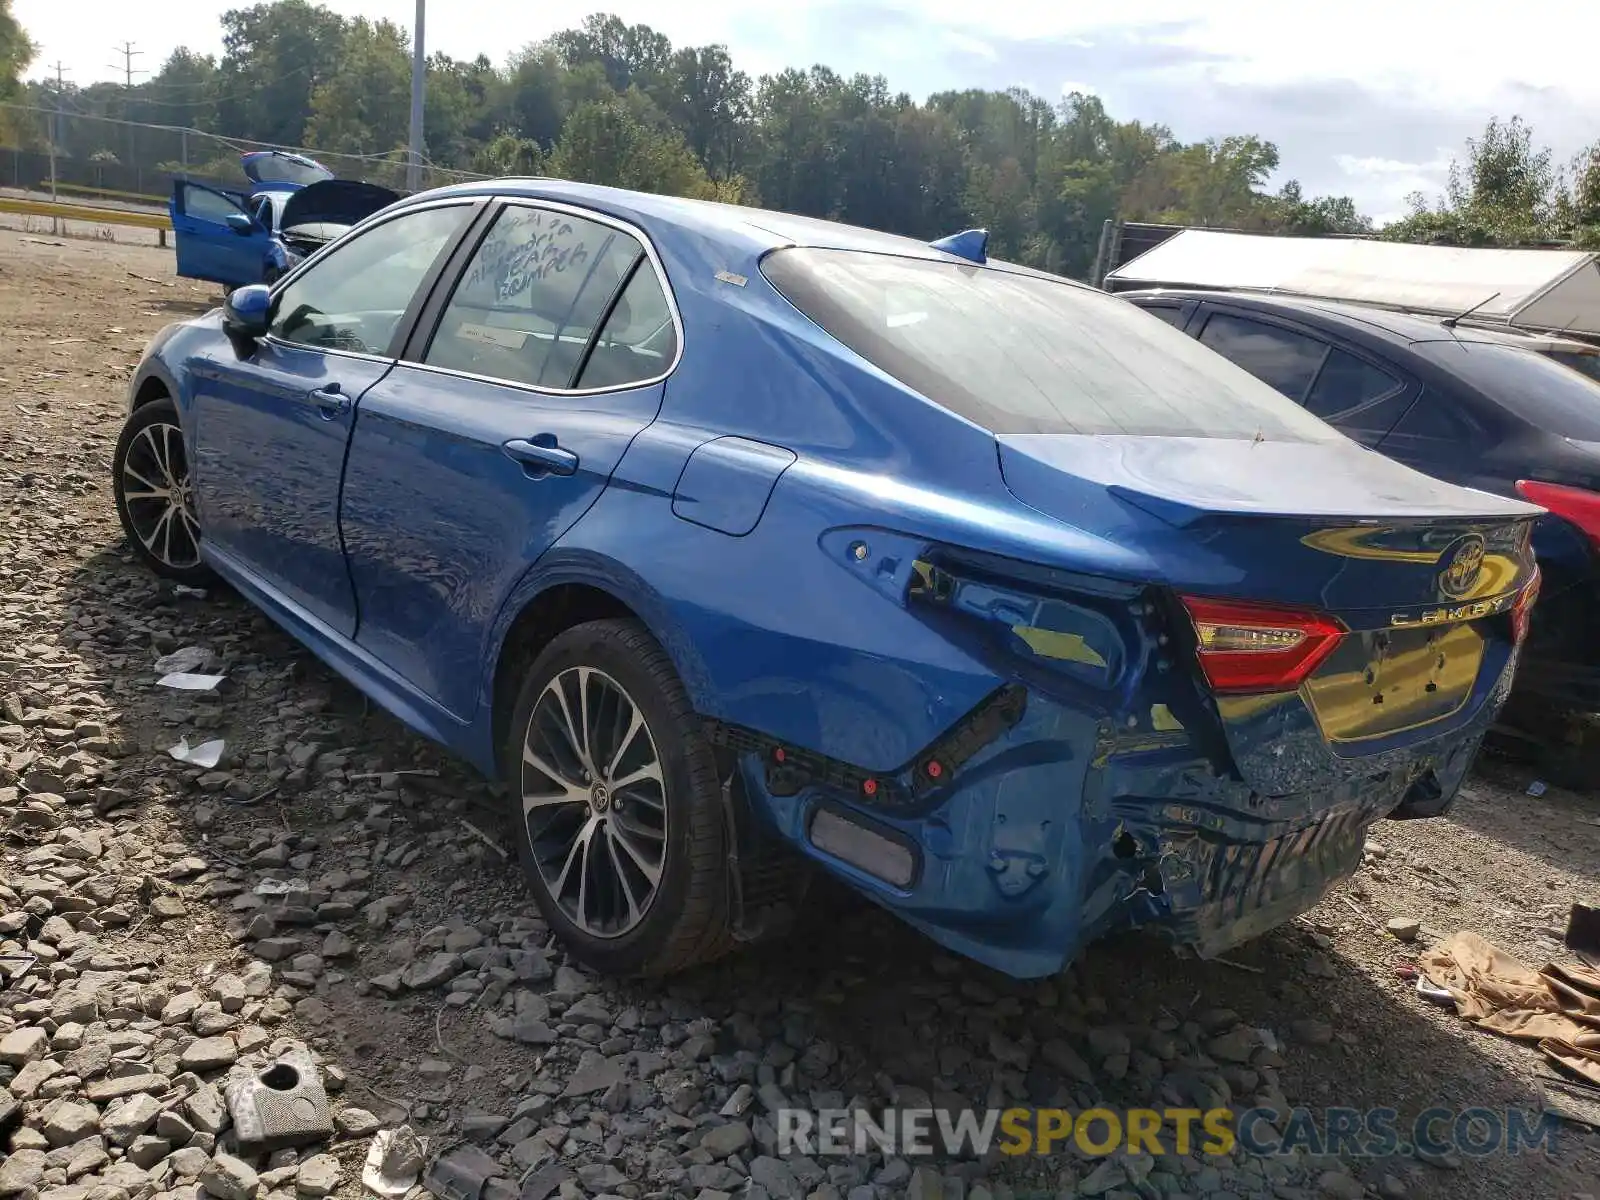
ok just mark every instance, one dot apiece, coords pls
pixel 1339 383
pixel 518 394
pixel 207 246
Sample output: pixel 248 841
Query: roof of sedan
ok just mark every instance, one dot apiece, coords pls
pixel 1401 327
pixel 707 218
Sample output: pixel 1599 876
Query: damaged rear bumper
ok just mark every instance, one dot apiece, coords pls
pixel 1042 830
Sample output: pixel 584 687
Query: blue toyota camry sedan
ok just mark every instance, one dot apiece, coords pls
pixel 742 546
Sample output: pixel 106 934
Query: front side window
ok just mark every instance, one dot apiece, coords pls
pixel 1278 357
pixel 353 299
pixel 1017 352
pixel 206 205
pixel 530 299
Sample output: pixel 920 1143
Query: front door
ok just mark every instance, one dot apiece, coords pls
pixel 209 248
pixel 272 418
pixel 497 434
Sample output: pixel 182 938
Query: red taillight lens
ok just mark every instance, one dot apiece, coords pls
pixel 1577 505
pixel 1248 647
pixel 1522 611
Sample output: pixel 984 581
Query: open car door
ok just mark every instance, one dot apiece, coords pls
pixel 216 237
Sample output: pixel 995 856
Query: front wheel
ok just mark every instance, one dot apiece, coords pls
pixel 618 808
pixel 154 494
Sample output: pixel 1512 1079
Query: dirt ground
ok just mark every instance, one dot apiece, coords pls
pixel 405 867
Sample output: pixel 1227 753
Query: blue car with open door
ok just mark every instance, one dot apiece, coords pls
pixel 293 207
pixel 743 547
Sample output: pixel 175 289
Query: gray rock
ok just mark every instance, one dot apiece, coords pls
pixel 1058 1055
pixel 130 1118
pixel 1340 1186
pixel 432 971
pixel 21 1171
pixel 204 1107
pixel 66 1122
pixel 1106 1042
pixel 774 1175
pixel 1404 929
pixel 209 1054
pixel 229 1178
pixel 147 1151
pixel 594 1073
pixel 356 1122
pixel 723 1140
pixel 23 1046
pixel 319 1175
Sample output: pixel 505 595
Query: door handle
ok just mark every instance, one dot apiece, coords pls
pixel 330 401
pixel 541 452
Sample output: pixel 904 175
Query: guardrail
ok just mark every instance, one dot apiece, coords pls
pixel 88 214
pixel 101 193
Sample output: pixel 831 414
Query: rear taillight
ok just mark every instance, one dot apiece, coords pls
pixel 1522 610
pixel 1577 505
pixel 1247 647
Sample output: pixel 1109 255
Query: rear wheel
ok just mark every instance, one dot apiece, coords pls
pixel 618 813
pixel 155 498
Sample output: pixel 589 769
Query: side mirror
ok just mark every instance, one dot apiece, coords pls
pixel 247 312
pixel 240 223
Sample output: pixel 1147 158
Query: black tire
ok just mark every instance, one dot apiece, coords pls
pixel 685 921
pixel 150 425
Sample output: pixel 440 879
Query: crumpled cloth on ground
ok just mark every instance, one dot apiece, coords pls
pixel 1557 1008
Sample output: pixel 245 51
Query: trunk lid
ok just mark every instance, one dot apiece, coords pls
pixel 281 167
pixel 1399 594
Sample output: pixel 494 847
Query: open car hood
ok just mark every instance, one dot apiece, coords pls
pixel 335 202
pixel 281 167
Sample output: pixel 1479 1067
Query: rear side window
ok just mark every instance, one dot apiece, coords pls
pixel 531 297
pixel 1533 386
pixel 638 340
pixel 1172 314
pixel 1019 353
pixel 1584 364
pixel 1279 357
pixel 1347 382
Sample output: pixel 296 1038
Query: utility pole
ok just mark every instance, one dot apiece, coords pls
pixel 128 55
pixel 419 81
pixel 55 134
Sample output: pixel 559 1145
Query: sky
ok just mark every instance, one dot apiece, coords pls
pixel 1370 98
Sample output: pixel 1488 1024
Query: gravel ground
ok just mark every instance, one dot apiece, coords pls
pixel 409 959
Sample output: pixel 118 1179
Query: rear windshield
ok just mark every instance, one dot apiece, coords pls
pixel 1018 353
pixel 1581 361
pixel 1534 386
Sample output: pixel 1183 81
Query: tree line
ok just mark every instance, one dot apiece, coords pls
pixel 615 103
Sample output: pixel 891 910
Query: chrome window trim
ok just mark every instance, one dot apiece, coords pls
pixel 358 231
pixel 599 218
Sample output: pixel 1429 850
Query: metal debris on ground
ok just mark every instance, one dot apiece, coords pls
pixel 185 660
pixel 281 1105
pixel 1536 788
pixel 206 754
pixel 1583 932
pixel 394 1161
pixel 14 966
pixel 185 681
pixel 461 1173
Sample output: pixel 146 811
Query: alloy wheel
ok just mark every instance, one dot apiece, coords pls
pixel 158 496
pixel 594 800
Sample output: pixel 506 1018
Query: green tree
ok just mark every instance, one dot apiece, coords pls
pixel 16 52
pixel 363 107
pixel 625 142
pixel 275 57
